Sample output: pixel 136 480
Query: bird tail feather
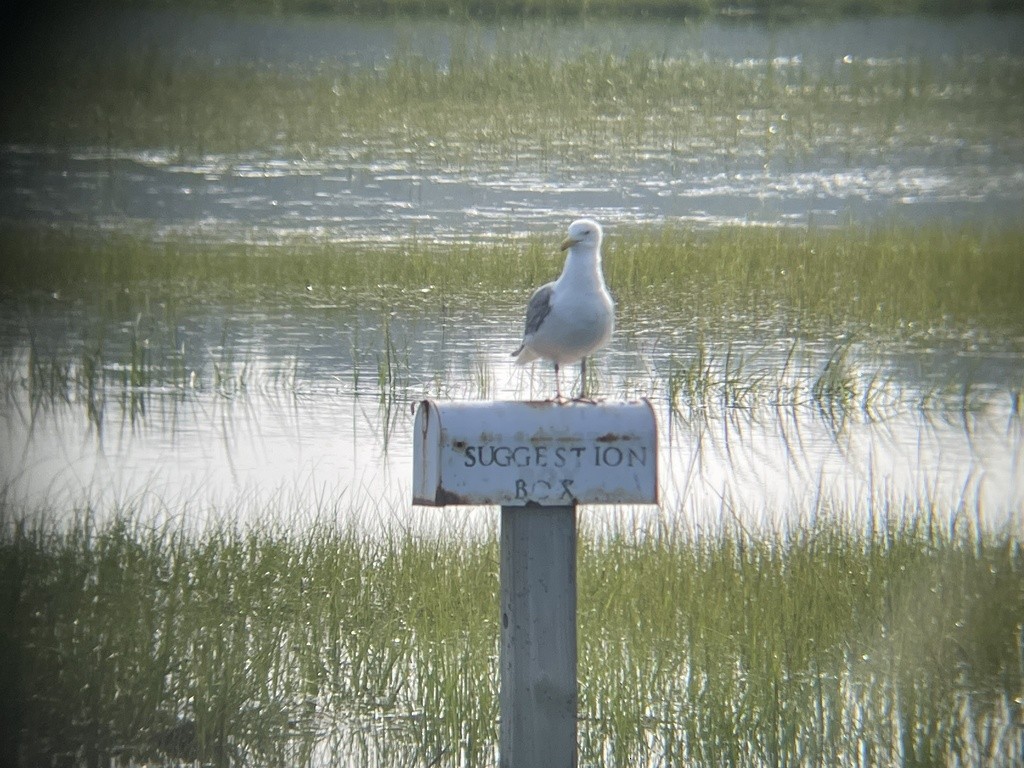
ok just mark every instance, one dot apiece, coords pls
pixel 524 355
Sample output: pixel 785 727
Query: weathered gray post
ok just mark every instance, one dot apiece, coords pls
pixel 538 636
pixel 538 461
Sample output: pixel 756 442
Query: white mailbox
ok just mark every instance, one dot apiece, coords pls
pixel 534 453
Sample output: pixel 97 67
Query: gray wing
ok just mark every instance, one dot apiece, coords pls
pixel 538 308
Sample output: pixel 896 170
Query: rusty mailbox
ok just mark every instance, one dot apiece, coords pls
pixel 527 453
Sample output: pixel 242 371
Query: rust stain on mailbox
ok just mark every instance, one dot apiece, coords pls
pixel 528 453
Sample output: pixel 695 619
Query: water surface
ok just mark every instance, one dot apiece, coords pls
pixel 302 405
pixel 280 409
pixel 371 189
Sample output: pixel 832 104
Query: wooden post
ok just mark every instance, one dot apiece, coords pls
pixel 538 637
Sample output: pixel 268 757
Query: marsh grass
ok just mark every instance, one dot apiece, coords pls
pixel 912 281
pixel 818 645
pixel 125 380
pixel 517 103
pixel 831 293
pixel 745 640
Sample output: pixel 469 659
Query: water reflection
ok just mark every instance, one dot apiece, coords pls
pixel 396 198
pixel 304 409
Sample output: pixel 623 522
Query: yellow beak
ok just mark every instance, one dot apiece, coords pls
pixel 569 242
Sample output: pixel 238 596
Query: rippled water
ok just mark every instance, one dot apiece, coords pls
pixel 396 198
pixel 281 411
pixel 285 407
pixel 354 192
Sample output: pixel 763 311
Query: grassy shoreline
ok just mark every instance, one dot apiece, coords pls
pixel 884 278
pixel 517 103
pixel 821 645
pixel 833 303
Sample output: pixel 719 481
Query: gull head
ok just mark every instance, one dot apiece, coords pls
pixel 585 232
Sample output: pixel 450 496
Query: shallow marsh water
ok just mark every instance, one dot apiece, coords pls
pixel 311 403
pixel 396 198
pixel 722 158
pixel 312 400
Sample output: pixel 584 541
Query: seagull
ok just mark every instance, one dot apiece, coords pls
pixel 574 316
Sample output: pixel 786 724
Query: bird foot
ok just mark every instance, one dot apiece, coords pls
pixel 585 399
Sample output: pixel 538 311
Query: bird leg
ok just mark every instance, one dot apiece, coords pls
pixel 558 389
pixel 583 384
